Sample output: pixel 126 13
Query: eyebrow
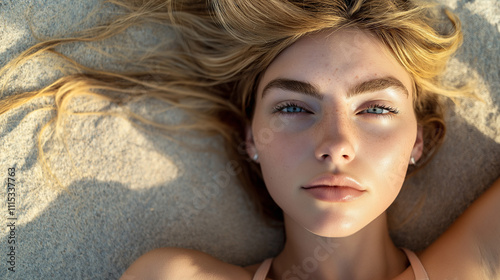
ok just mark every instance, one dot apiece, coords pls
pixel 293 85
pixel 311 90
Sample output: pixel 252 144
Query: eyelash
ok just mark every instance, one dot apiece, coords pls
pixel 280 107
pixel 392 111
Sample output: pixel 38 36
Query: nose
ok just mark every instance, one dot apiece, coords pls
pixel 337 139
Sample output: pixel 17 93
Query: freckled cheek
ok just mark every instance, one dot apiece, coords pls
pixel 281 157
pixel 280 132
pixel 284 148
pixel 387 156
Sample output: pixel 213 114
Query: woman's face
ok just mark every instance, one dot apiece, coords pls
pixel 334 129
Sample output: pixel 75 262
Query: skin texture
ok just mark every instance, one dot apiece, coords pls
pixel 336 135
pixel 300 137
pixel 340 134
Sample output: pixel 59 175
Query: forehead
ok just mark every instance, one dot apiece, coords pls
pixel 345 57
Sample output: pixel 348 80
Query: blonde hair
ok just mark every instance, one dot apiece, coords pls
pixel 222 47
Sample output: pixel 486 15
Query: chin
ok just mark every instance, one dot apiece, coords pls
pixel 336 228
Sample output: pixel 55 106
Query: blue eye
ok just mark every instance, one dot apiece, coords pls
pixel 377 110
pixel 381 110
pixel 289 108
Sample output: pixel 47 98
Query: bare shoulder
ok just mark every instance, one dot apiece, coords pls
pixel 470 248
pixel 178 263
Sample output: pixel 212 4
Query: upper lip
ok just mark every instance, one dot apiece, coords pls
pixel 331 180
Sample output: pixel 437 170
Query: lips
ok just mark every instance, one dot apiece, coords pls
pixel 334 181
pixel 334 188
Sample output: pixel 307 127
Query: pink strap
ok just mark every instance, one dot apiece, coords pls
pixel 418 268
pixel 263 269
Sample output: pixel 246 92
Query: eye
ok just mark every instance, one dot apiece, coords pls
pixel 289 108
pixel 381 110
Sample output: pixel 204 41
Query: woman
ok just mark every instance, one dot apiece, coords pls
pixel 335 102
pixel 335 120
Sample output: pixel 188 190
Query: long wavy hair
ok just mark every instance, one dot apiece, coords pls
pixel 220 49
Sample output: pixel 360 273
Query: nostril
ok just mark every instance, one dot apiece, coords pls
pixel 325 156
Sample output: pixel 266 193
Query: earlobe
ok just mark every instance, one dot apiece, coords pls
pixel 418 147
pixel 250 144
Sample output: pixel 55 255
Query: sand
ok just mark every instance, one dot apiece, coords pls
pixel 128 190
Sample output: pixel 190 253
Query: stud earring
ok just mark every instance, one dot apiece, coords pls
pixel 412 160
pixel 255 157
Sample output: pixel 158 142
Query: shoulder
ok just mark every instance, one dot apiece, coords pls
pixel 178 263
pixel 470 248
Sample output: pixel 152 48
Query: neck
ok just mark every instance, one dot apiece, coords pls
pixel 367 254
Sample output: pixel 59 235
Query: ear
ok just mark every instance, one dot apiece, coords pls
pixel 418 147
pixel 250 143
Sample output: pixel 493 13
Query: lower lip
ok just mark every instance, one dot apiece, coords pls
pixel 335 194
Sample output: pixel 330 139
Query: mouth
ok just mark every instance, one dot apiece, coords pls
pixel 334 188
pixel 334 193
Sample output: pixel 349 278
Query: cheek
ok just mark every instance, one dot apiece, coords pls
pixel 276 141
pixel 282 154
pixel 389 156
